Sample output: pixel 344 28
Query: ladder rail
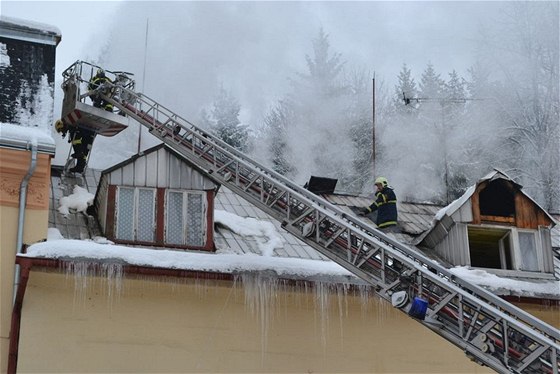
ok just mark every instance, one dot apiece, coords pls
pixel 455 306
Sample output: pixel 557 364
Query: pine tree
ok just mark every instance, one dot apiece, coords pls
pixel 405 89
pixel 225 123
pixel 324 69
pixel 317 106
pixel 431 84
pixel 276 122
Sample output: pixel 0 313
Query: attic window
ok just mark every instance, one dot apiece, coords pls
pixel 497 199
pixel 505 248
pixel 185 218
pixel 135 220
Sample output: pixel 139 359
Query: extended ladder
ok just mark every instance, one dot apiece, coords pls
pixel 490 330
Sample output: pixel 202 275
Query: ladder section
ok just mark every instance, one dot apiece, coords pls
pixel 490 330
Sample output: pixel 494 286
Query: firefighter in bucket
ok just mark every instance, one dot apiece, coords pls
pixel 96 84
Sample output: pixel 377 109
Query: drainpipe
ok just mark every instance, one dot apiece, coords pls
pixel 21 217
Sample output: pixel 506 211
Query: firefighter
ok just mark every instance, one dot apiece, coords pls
pixel 96 81
pixel 385 204
pixel 81 140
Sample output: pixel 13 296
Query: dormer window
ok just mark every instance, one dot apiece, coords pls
pixel 135 216
pixel 157 199
pixel 504 248
pixel 186 218
pixel 496 226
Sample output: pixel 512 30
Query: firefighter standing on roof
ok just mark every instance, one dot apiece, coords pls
pixel 81 140
pixel 385 203
pixel 97 81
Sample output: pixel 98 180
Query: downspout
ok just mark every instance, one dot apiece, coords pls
pixel 21 216
pixel 18 293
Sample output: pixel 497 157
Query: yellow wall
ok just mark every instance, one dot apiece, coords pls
pixel 210 326
pixel 13 167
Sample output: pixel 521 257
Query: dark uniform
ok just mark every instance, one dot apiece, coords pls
pixel 81 140
pixel 96 81
pixel 385 204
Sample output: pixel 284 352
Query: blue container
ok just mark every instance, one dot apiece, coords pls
pixel 418 308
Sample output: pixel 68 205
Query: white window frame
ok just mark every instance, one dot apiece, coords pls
pixel 538 249
pixel 515 249
pixel 135 208
pixel 185 194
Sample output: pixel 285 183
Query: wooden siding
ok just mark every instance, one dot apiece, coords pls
pixel 160 169
pixel 160 216
pixel 14 164
pixel 475 204
pixel 528 215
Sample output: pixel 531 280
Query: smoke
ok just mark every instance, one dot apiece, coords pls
pixel 182 53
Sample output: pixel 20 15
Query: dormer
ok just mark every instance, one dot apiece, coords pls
pixel 494 226
pixel 157 198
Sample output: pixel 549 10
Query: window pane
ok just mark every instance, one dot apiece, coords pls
pixel 145 230
pixel 528 251
pixel 174 224
pixel 195 220
pixel 125 214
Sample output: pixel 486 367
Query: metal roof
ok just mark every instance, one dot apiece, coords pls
pixel 76 225
pixel 230 202
pixel 414 218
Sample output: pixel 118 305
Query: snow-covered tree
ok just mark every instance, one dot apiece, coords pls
pixel 317 107
pixel 431 84
pixel 276 124
pixel 405 89
pixel 224 121
pixel 524 59
pixel 324 68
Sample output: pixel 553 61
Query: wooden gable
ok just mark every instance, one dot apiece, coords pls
pixel 501 201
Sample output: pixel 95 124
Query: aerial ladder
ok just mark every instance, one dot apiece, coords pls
pixel 488 329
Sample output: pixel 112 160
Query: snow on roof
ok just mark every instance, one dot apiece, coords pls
pixel 497 285
pixel 37 26
pixel 54 248
pixel 79 201
pixel 19 136
pixel 455 204
pixel 260 233
pixel 251 229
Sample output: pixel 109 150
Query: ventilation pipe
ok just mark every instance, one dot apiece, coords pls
pixel 21 216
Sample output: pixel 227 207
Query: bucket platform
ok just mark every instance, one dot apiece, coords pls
pixel 77 106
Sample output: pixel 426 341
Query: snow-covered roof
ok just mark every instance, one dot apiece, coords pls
pixel 21 137
pixel 246 239
pixel 16 28
pixel 229 263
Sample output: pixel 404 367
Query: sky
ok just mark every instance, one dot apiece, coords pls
pixel 182 52
pixel 254 48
